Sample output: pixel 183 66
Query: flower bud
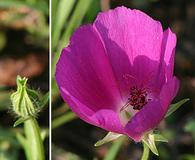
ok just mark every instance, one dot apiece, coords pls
pixel 21 102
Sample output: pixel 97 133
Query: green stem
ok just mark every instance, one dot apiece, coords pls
pixel 24 144
pixel 34 141
pixel 63 10
pixel 112 153
pixel 146 151
pixel 63 119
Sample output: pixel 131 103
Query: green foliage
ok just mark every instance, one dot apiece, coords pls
pixel 174 107
pixel 23 105
pixel 109 137
pixel 9 146
pixel 63 119
pixel 26 102
pixel 59 20
pixel 159 138
pixel 146 152
pixel 149 141
pixel 188 157
pixel 113 151
pixel 39 5
pixel 20 121
pixel 21 102
pixel 74 22
pixel 92 12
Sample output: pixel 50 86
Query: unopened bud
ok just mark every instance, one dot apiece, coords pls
pixel 21 102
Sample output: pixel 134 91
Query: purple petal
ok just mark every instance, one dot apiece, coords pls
pixel 166 66
pixel 103 118
pixel 145 120
pixel 128 34
pixel 152 113
pixel 85 78
pixel 168 92
pixel 168 51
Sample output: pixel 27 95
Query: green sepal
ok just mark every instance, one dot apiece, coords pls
pixel 21 120
pixel 44 134
pixel 109 137
pixel 149 140
pixel 146 152
pixel 32 93
pixel 38 100
pixel 44 100
pixel 174 107
pixel 159 138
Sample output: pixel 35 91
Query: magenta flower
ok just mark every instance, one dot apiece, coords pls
pixel 117 73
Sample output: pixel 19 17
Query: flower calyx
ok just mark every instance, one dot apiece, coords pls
pixel 111 136
pixel 150 138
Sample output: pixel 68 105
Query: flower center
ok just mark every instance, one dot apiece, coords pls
pixel 138 97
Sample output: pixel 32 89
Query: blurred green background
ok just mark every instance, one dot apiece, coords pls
pixel 24 50
pixel 74 139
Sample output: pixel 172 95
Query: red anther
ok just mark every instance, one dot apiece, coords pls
pixel 137 97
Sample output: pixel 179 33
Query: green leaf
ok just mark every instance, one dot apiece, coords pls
pixel 20 120
pixel 174 107
pixel 109 137
pixel 63 11
pixel 159 138
pixel 150 142
pixel 92 11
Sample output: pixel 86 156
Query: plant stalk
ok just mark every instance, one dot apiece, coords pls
pixel 146 151
pixel 33 140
